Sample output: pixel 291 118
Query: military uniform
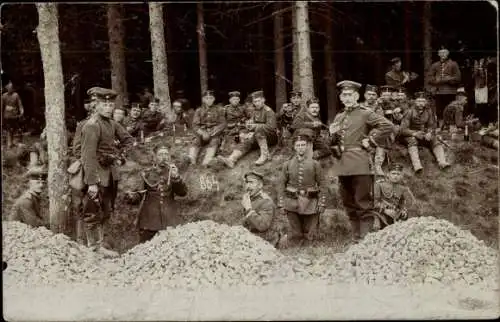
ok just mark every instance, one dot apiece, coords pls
pixel 134 126
pixel 423 122
pixel 27 208
pixel 391 201
pixel 152 121
pixel 304 120
pixel 260 218
pixel 287 114
pixel 207 120
pixel 12 111
pixel 453 114
pixel 158 208
pixel 302 192
pixel 235 117
pixel 353 165
pixel 99 157
pixel 263 134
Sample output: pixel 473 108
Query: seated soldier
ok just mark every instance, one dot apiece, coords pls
pixel 309 118
pixel 183 118
pixel 133 123
pixel 261 131
pixel 27 208
pixel 259 208
pixel 152 117
pixel 288 112
pixel 385 101
pixel 162 183
pixel 419 128
pixel 208 123
pixel 302 190
pixel 453 114
pixel 235 117
pixel 119 114
pixel 392 198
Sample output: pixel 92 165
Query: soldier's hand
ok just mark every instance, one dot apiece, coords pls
pixel 428 136
pixel 365 143
pixel 92 191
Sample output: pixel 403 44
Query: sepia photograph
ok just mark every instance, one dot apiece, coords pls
pixel 250 160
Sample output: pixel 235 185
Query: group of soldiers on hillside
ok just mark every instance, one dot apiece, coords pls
pixel 358 139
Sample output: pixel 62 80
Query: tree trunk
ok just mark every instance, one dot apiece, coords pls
pixel 331 81
pixel 295 50
pixel 279 58
pixel 58 181
pixel 304 48
pixel 262 56
pixel 427 26
pixel 407 6
pixel 116 34
pixel 202 48
pixel 159 53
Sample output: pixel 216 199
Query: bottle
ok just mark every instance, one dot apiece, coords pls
pixel 466 133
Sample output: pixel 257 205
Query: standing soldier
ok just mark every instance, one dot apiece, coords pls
pixel 259 209
pixel 309 118
pixel 302 190
pixel 208 123
pixel 158 209
pixel 371 98
pixel 396 77
pixel 453 115
pixel 27 208
pixel 133 123
pixel 288 112
pixel 99 158
pixel 235 116
pixel 355 131
pixel 12 112
pixel 419 128
pixel 261 127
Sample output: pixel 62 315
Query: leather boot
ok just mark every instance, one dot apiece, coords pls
pixel 193 154
pixel 415 158
pixel 356 229
pixel 231 160
pixel 209 155
pixel 264 151
pixel 378 161
pixel 92 237
pixel 80 232
pixel 441 159
pixel 105 252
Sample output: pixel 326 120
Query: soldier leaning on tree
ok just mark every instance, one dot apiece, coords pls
pixel 259 209
pixel 12 112
pixel 302 190
pixel 158 208
pixel 235 117
pixel 260 131
pixel 355 131
pixel 133 123
pixel 99 158
pixel 309 118
pixel 419 128
pixel 208 123
pixel 27 208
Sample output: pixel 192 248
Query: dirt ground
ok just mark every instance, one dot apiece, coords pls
pixel 313 301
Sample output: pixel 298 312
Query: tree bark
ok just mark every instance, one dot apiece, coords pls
pixel 116 34
pixel 330 75
pixel 427 26
pixel 159 53
pixel 202 48
pixel 58 181
pixel 295 50
pixel 279 58
pixel 304 49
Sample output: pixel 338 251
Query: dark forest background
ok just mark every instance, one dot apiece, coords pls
pixel 240 46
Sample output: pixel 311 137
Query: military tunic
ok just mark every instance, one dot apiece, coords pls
pixel 394 196
pixel 133 126
pixel 27 210
pixel 306 120
pixel 394 78
pixel 261 219
pixel 415 121
pixel 453 114
pixel 209 119
pixel 373 106
pixel 264 120
pixel 285 117
pixel 11 109
pixel 235 116
pixel 151 121
pixel 445 78
pixel 158 208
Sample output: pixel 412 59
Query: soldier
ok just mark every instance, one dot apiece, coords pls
pixel 146 97
pixel 453 114
pixel 182 118
pixel 371 98
pixel 288 112
pixel 261 127
pixel 99 158
pixel 392 198
pixel 444 78
pixel 162 183
pixel 208 123
pixel 309 118
pixel 133 123
pixel 27 208
pixel 119 114
pixel 152 118
pixel 396 77
pixel 419 128
pixel 259 208
pixel 12 112
pixel 354 132
pixel 235 116
pixel 385 102
pixel 302 190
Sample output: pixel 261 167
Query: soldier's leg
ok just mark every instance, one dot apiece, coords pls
pixel 295 233
pixel 413 152
pixel 194 149
pixel 211 150
pixel 77 207
pixel 262 140
pixel 379 160
pixel 114 194
pixel 347 195
pixel 241 149
pixel 438 150
pixel 91 219
pixel 310 225
pixel 364 203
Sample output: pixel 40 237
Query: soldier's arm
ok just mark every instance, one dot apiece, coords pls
pixel 179 187
pixel 262 217
pixel 300 121
pixel 431 124
pixel 270 122
pixel 380 127
pixel 322 184
pixel 221 123
pixel 29 214
pixel 456 75
pixel 90 137
pixel 75 146
pixel 197 122
pixel 123 136
pixel 431 74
